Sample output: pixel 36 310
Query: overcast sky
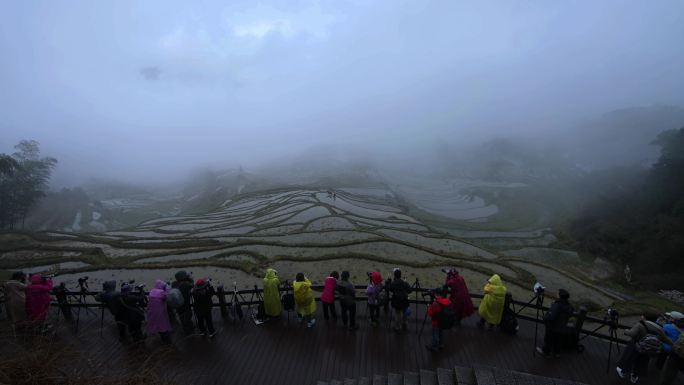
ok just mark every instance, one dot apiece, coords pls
pixel 141 89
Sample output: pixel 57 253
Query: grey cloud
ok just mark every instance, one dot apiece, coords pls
pixel 153 89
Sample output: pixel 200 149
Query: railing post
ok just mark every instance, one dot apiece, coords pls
pixel 222 302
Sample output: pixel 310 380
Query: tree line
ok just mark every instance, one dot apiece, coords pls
pixel 638 220
pixel 24 178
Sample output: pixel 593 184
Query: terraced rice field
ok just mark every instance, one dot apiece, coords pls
pixel 306 230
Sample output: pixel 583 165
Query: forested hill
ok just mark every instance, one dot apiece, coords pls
pixel 640 224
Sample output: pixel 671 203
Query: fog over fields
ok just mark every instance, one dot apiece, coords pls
pixel 148 91
pixel 539 140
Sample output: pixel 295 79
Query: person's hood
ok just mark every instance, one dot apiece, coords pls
pixel 443 301
pixel 376 277
pixel 271 274
pixel 159 284
pixel 181 275
pixel 299 285
pixel 36 279
pixel 495 280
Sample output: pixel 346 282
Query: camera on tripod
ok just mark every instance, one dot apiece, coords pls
pixel 432 293
pixel 612 315
pixel 139 288
pixel 538 289
pixel 83 283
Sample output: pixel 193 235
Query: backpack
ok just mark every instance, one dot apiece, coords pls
pixel 288 301
pixel 509 323
pixel 678 346
pixel 649 344
pixel 174 299
pixel 447 318
pixel 382 298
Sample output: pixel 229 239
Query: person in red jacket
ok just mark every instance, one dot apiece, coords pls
pixel 38 299
pixel 459 295
pixel 439 323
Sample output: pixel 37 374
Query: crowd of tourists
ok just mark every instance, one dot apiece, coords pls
pixel 657 338
pixel 27 304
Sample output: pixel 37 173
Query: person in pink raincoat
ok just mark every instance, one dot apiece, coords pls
pixel 157 314
pixel 38 298
pixel 328 295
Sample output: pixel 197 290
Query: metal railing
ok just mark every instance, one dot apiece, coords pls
pixel 230 299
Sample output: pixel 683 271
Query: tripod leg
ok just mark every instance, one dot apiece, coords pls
pixel 610 351
pixel 78 316
pixel 540 304
pixel 422 328
pixel 101 319
pixel 536 333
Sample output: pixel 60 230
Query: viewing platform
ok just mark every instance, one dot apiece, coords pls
pixel 284 351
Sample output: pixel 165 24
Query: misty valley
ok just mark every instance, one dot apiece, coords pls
pixel 341 192
pixel 500 207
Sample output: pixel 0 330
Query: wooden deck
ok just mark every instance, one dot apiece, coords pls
pixel 282 352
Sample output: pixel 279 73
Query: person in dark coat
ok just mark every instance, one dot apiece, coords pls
pixel 126 307
pixel 184 283
pixel 347 301
pixel 132 305
pixel 556 322
pixel 400 302
pixel 202 293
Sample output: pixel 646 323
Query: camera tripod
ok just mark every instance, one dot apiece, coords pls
pixel 260 302
pixel 612 324
pixel 538 300
pixel 82 303
pixel 235 304
pixel 425 317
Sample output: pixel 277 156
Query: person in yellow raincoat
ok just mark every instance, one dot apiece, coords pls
pixel 492 305
pixel 305 305
pixel 272 305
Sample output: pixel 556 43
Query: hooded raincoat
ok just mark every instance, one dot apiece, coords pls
pixel 492 305
pixel 460 297
pixel 38 298
pixel 304 299
pixel 435 308
pixel 157 315
pixel 272 305
pixel 15 300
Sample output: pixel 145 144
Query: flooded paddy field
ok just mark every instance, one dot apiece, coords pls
pixel 310 231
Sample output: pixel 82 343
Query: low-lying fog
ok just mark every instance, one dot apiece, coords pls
pixel 150 92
